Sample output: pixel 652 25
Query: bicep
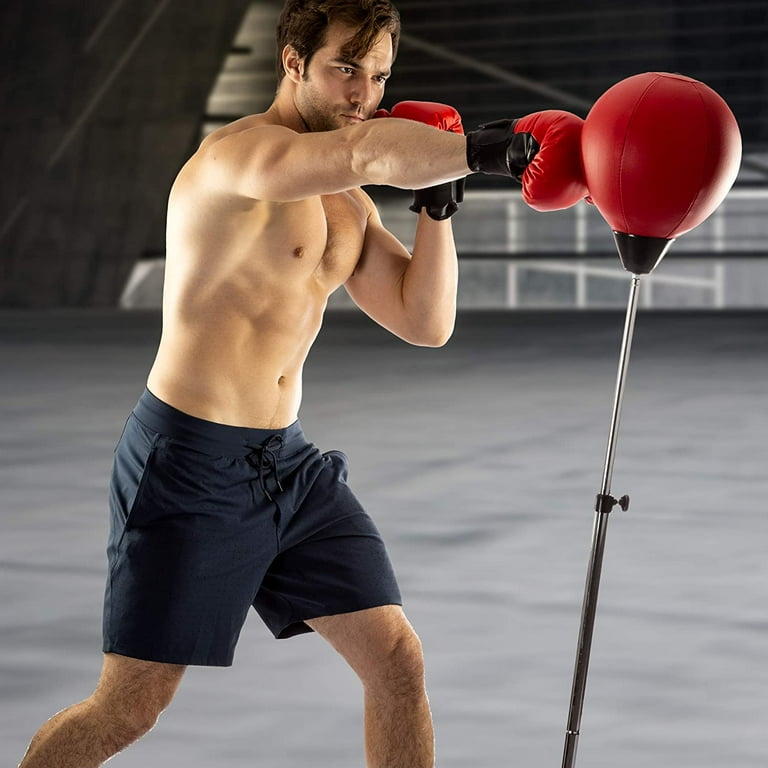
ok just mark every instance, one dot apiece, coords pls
pixel 276 164
pixel 376 285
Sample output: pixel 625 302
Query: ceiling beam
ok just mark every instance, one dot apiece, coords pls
pixel 494 72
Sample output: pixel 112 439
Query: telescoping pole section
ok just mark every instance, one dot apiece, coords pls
pixel 605 503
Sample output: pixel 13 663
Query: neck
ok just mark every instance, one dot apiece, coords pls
pixel 283 110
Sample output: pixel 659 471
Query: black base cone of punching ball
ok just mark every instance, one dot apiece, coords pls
pixel 641 255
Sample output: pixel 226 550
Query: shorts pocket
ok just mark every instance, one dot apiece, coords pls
pixel 181 484
pixel 133 457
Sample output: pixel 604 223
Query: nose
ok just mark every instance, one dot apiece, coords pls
pixel 362 93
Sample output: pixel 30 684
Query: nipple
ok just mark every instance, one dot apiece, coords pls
pixel 298 253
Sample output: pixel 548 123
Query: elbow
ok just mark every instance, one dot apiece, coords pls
pixel 434 337
pixel 432 328
pixel 439 341
pixel 432 344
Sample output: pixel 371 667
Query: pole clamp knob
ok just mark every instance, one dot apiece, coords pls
pixel 605 503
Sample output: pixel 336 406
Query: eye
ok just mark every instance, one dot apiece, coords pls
pixel 347 70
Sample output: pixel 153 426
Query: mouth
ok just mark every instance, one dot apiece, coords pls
pixel 354 119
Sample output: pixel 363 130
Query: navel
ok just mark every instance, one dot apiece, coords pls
pixel 281 380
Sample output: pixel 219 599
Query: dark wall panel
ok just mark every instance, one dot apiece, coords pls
pixel 101 105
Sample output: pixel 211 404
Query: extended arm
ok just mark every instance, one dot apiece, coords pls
pixel 274 163
pixel 277 164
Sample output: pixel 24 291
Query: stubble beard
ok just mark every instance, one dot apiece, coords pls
pixel 319 115
pixel 321 118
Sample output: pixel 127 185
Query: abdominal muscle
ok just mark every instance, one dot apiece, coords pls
pixel 233 371
pixel 237 330
pixel 246 285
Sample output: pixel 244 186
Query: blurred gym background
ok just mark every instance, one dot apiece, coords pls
pixel 480 461
pixel 103 102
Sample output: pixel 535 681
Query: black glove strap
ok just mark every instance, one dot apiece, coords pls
pixel 440 201
pixel 495 148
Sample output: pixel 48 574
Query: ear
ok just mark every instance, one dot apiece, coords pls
pixel 293 64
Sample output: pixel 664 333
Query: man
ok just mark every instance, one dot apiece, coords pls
pixel 218 501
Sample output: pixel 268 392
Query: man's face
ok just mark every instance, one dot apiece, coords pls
pixel 335 92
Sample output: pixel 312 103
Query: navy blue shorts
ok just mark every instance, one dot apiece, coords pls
pixel 209 519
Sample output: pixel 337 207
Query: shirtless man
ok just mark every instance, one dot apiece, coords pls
pixel 218 502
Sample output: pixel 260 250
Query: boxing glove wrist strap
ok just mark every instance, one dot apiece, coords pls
pixel 440 201
pixel 494 148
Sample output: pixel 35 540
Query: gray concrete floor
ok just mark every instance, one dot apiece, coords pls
pixel 480 462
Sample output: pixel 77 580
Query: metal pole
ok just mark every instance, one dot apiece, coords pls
pixel 605 503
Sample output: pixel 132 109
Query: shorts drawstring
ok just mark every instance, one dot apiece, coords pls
pixel 263 458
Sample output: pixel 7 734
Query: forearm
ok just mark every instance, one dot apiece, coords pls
pixel 407 154
pixel 430 283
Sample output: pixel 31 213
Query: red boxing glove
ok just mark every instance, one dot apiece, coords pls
pixel 541 150
pixel 428 112
pixel 554 179
pixel 442 200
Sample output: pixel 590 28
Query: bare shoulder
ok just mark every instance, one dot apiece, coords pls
pixel 245 131
pixel 221 145
pixel 236 160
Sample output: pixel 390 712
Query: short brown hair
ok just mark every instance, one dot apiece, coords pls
pixel 303 23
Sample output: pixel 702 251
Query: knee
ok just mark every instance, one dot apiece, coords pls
pixel 124 723
pixel 139 717
pixel 130 716
pixel 400 668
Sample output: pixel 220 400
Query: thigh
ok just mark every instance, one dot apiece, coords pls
pixel 332 560
pixel 189 546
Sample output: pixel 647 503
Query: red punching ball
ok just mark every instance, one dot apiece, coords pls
pixel 660 152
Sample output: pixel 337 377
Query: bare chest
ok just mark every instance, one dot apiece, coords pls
pixel 332 243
